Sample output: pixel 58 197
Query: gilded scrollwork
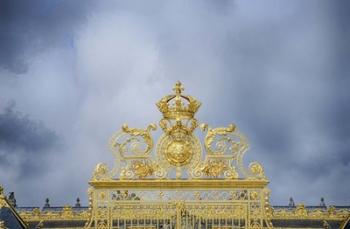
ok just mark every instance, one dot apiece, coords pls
pixel 132 148
pixel 215 168
pixel 136 143
pixel 226 146
pixel 101 172
pixel 257 170
pixel 184 126
pixel 217 140
pixel 179 149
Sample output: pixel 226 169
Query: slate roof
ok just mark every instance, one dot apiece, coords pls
pixel 9 216
pixel 346 224
pixel 304 223
pixel 59 224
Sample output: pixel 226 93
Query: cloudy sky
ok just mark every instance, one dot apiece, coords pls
pixel 72 72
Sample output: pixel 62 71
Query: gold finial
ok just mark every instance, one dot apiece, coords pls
pixel 178 88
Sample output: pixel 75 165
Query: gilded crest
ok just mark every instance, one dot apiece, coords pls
pixel 178 153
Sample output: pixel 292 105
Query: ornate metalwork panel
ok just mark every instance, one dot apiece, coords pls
pixel 181 182
pixel 176 209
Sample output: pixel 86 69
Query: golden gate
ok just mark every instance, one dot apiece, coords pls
pixel 180 184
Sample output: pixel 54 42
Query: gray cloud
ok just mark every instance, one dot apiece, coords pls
pixel 23 141
pixel 277 70
pixel 31 27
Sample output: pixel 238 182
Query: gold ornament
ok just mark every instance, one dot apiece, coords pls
pixel 142 169
pixel 214 168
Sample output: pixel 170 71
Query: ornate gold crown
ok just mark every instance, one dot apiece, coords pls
pixel 178 106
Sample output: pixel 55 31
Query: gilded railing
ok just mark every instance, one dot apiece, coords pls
pixel 287 213
pixel 186 207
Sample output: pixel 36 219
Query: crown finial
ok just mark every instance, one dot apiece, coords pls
pixel 178 88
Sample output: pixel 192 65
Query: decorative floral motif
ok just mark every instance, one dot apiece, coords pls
pixel 142 169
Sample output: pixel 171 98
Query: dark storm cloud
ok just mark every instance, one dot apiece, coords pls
pixel 278 70
pixel 24 143
pixel 28 27
pixel 341 32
